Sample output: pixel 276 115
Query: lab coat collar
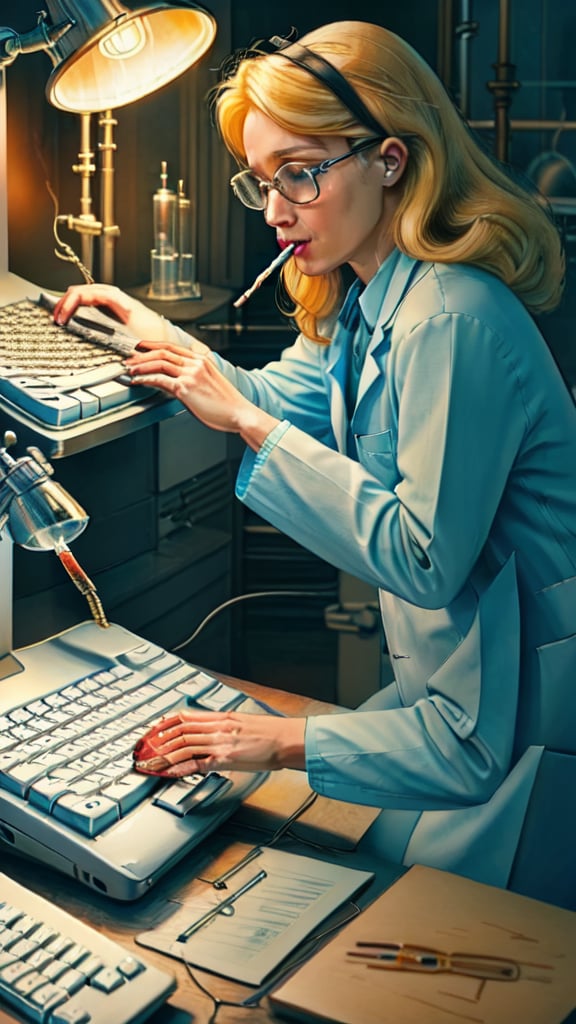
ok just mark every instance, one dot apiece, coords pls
pixel 406 271
pixel 379 311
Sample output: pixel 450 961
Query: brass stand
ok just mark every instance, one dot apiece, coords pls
pixel 504 85
pixel 86 224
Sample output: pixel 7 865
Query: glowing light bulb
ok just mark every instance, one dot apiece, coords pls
pixel 125 41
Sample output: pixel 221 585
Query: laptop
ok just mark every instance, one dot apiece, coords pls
pixel 72 708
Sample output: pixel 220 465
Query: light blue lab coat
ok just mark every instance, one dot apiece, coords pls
pixel 451 488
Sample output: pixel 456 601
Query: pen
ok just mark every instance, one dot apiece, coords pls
pixel 220 907
pixel 277 262
pixel 220 883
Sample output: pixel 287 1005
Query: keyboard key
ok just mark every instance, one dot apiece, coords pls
pixel 75 955
pixel 47 997
pixel 29 983
pixel 9 914
pixel 89 816
pixel 199 684
pixel 10 974
pixel 107 979
pixel 39 959
pixel 54 970
pixel 130 967
pixel 130 790
pixel 58 945
pixel 185 795
pixel 22 948
pixel 71 981
pixel 221 698
pixel 70 1015
pixel 142 655
pixel 44 791
pixel 26 925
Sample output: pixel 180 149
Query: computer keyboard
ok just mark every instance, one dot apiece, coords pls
pixel 69 795
pixel 56 969
pixel 70 753
pixel 63 374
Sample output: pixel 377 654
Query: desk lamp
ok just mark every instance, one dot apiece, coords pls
pixel 35 512
pixel 106 55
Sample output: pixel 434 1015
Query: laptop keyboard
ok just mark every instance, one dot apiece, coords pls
pixel 61 375
pixel 55 968
pixel 69 753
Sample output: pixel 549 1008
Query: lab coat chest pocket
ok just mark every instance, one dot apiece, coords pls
pixel 377 453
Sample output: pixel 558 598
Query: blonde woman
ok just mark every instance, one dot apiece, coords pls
pixel 417 434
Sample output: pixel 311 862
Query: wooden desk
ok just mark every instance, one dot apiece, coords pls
pixel 123 921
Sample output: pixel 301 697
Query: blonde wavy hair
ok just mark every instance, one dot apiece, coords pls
pixel 457 204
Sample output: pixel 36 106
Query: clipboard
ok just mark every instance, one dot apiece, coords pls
pixel 438 909
pixel 270 906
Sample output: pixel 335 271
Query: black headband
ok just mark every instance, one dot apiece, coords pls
pixel 316 65
pixel 329 75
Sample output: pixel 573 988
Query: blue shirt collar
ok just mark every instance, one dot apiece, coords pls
pixel 370 301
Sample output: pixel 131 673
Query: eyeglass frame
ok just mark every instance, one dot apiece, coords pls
pixel 266 186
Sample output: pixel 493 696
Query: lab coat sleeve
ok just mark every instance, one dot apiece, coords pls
pixel 451 747
pixel 458 421
pixel 403 759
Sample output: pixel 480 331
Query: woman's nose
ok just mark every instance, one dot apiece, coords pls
pixel 279 210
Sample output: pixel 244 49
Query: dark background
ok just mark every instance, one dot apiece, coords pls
pixel 43 142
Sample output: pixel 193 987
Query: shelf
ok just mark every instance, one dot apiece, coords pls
pixel 185 310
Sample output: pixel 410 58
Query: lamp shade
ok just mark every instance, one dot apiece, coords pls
pixel 112 55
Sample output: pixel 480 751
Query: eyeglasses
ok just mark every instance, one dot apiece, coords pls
pixel 401 957
pixel 296 182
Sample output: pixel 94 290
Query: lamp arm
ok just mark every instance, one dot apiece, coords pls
pixel 7 464
pixel 42 37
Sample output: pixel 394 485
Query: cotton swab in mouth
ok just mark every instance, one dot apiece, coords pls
pixel 277 262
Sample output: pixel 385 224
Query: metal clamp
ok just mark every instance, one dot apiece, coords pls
pixel 360 617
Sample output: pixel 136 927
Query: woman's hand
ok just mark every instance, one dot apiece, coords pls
pixel 194 379
pixel 143 322
pixel 140 321
pixel 201 741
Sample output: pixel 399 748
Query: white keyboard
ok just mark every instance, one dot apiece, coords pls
pixel 61 375
pixel 71 712
pixel 55 969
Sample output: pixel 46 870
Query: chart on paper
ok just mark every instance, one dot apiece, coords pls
pixel 271 905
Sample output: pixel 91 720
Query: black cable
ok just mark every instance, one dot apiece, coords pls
pixel 299 957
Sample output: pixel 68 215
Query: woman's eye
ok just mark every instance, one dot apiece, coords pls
pixel 293 174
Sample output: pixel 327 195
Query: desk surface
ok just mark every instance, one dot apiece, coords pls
pixel 123 921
